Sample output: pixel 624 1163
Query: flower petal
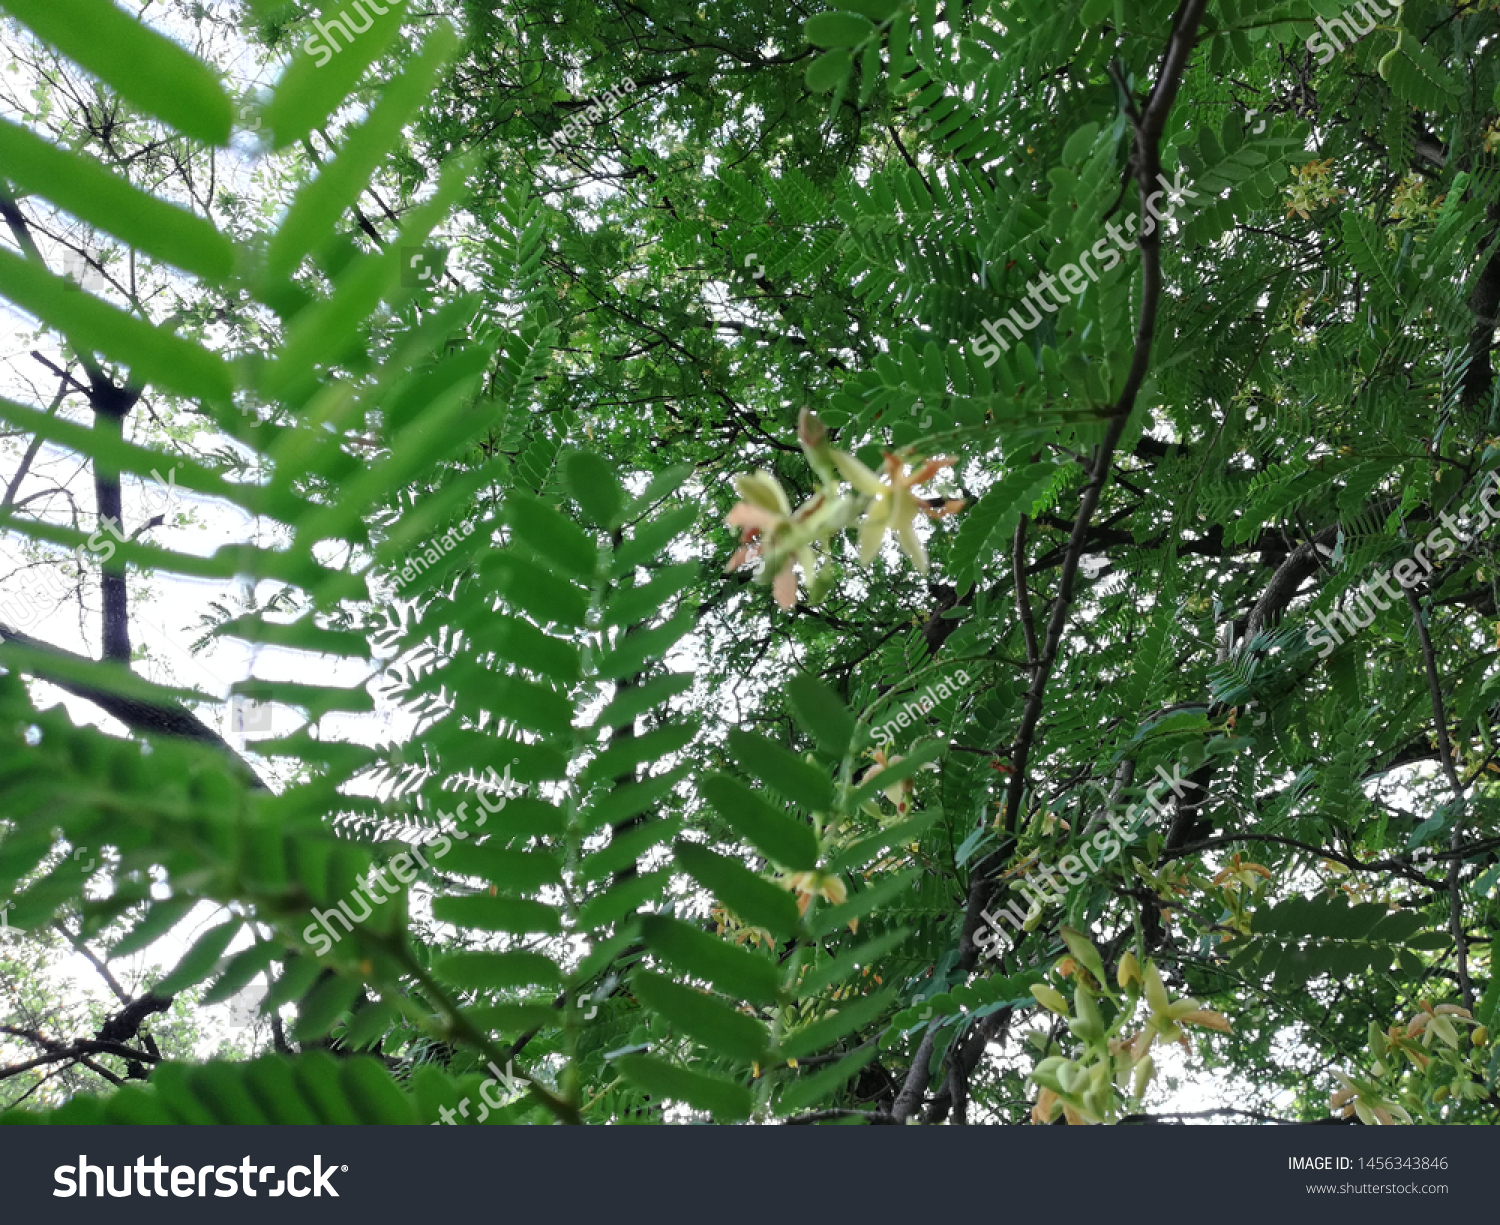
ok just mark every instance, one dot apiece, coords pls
pixel 911 545
pixel 762 489
pixel 929 470
pixel 756 518
pixel 1156 990
pixel 784 586
pixel 858 475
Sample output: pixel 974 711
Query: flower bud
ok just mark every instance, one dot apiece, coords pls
pixel 1048 1073
pixel 1084 953
pixel 1096 1104
pixel 1088 1025
pixel 1156 990
pixel 1144 1071
pixel 1050 998
pixel 811 432
pixel 1443 1028
pixel 824 579
pixel 1128 972
pixel 813 435
pixel 762 490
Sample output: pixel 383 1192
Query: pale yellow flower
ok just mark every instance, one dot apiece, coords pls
pixel 739 931
pixel 1168 1016
pixel 808 885
pixel 1360 1099
pixel 1241 872
pixel 1430 1023
pixel 772 534
pixel 899 793
pixel 763 514
pixel 895 507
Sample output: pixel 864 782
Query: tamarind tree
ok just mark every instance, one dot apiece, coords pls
pixel 646 413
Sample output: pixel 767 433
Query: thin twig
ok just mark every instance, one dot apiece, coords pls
pixel 825 1116
pixel 1207 1114
pixel 1445 753
pixel 1023 597
pixel 92 958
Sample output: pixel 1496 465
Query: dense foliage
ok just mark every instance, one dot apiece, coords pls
pixel 877 565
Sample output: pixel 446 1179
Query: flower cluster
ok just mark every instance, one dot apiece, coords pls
pixel 777 538
pixel 1240 879
pixel 1313 188
pixel 827 885
pixel 1413 199
pixel 1423 1062
pixel 1086 1087
pixel 899 792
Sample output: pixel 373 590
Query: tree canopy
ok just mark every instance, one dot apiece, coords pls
pixel 878 565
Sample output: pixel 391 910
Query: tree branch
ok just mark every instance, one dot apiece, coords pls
pixel 1445 753
pixel 1149 126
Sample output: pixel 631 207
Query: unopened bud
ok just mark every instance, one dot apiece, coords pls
pixel 813 435
pixel 811 432
pixel 1156 990
pixel 823 581
pixel 1144 1071
pixel 1047 1073
pixel 1088 1025
pixel 1050 998
pixel 1084 953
